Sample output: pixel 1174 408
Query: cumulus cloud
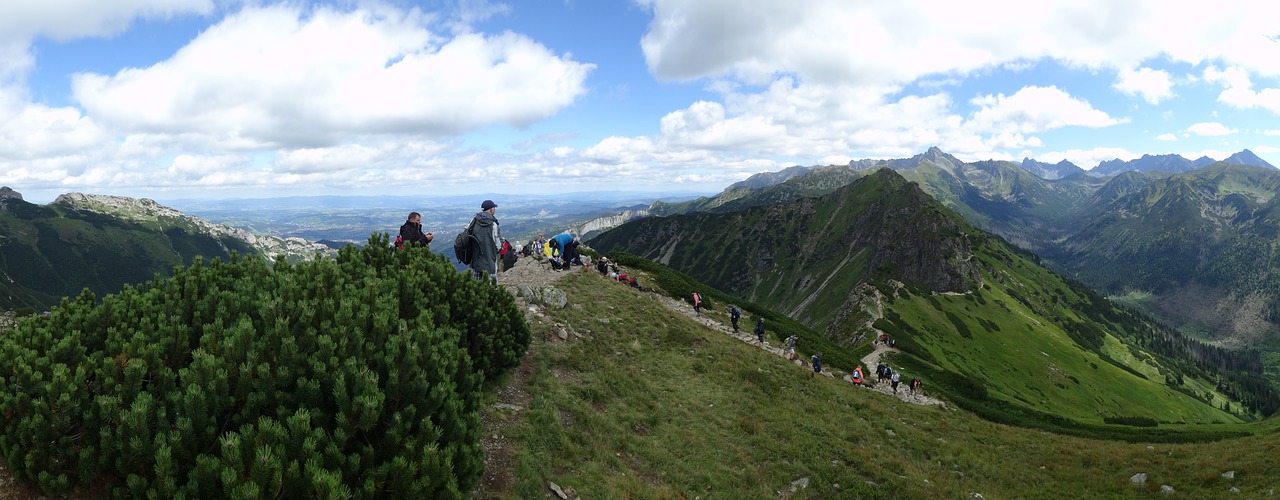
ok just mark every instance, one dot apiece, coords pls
pixel 284 77
pixel 1150 84
pixel 1035 109
pixel 1210 129
pixel 1272 132
pixel 896 42
pixel 67 19
pixel 1238 89
pixel 1166 137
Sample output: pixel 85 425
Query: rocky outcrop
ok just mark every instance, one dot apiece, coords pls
pixel 8 194
pixel 601 224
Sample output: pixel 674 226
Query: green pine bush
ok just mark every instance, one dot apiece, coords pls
pixel 358 376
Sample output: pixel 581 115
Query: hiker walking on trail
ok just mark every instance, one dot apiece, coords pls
pixel 734 314
pixel 760 330
pixel 915 385
pixel 791 347
pixel 488 241
pixel 697 304
pixel 894 379
pixel 817 363
pixel 880 374
pixel 856 378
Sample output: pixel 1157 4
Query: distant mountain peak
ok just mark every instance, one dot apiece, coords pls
pixel 8 194
pixel 1246 157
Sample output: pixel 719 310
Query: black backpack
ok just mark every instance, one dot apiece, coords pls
pixel 464 244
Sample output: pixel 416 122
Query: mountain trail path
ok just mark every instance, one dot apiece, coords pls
pixel 868 363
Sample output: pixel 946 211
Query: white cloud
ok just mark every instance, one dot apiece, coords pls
pixel 1152 85
pixel 1272 132
pixel 282 77
pixel 896 42
pixel 1238 89
pixel 67 19
pixel 1210 129
pixel 1035 109
pixel 1166 137
pixel 32 131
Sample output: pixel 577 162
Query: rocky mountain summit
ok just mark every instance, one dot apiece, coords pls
pixel 148 211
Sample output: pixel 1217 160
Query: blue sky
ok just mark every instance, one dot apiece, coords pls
pixel 219 99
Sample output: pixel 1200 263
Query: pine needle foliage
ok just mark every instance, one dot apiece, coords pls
pixel 356 377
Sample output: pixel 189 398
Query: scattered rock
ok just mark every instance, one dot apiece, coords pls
pixel 1139 478
pixel 559 492
pixel 1166 489
pixel 1234 490
pixel 1229 474
pixel 975 496
pixel 799 484
pixel 890 432
pixel 508 406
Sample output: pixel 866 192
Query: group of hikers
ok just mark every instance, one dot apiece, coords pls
pixel 486 246
pixel 561 251
pixel 883 372
pixel 486 242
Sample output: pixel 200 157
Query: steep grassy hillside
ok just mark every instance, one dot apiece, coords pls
pixel 648 403
pixel 48 252
pixel 973 312
pixel 805 256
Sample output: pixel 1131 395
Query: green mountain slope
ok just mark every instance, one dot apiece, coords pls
pixel 968 307
pixel 1196 248
pixel 1205 243
pixel 51 251
pixel 649 403
pixel 804 257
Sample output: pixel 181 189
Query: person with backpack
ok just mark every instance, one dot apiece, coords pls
pixel 734 314
pixel 791 347
pixel 411 232
pixel 817 362
pixel 915 385
pixel 856 377
pixel 760 330
pixel 893 379
pixel 484 262
pixel 697 304
pixel 508 255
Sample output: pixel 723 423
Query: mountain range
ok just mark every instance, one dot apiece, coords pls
pixel 1194 248
pixel 102 243
pixel 880 255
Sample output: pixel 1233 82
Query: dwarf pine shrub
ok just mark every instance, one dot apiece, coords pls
pixel 353 377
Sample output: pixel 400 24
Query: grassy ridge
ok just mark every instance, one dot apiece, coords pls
pixel 653 405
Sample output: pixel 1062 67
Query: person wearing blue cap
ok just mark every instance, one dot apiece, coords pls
pixel 489 241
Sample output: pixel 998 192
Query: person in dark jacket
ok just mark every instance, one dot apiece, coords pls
pixel 508 254
pixel 489 241
pixel 411 231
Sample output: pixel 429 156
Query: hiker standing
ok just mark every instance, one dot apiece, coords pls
pixel 489 241
pixel 915 386
pixel 856 378
pixel 894 379
pixel 734 314
pixel 817 363
pixel 760 330
pixel 791 347
pixel 697 304
pixel 411 231
pixel 508 256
